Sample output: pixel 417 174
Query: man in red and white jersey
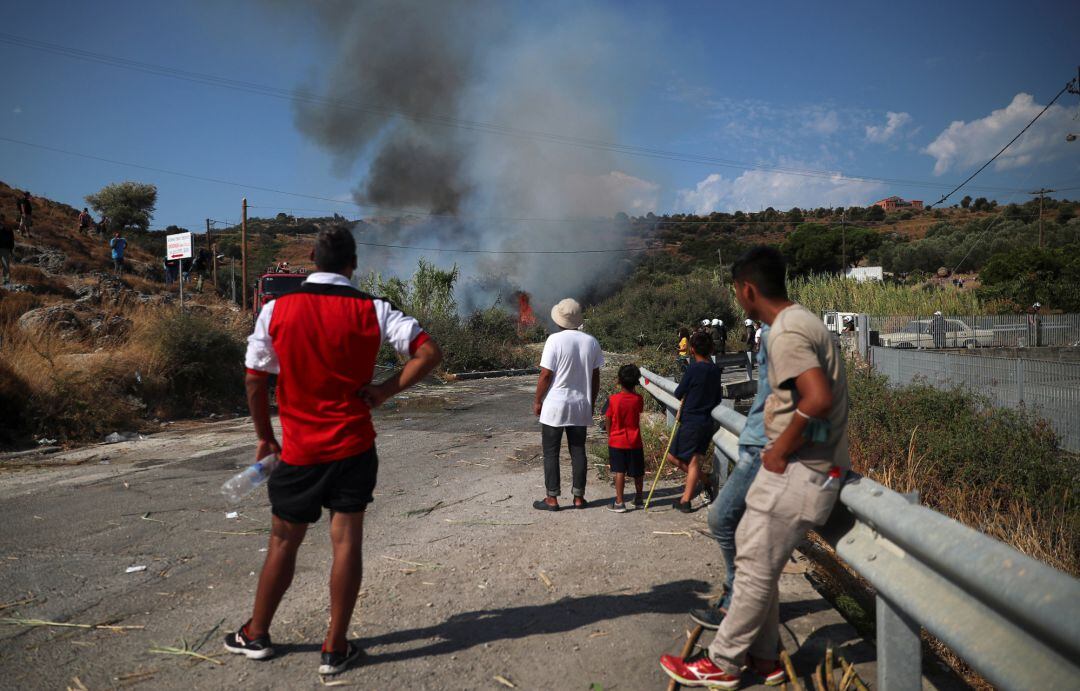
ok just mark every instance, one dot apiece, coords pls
pixel 321 341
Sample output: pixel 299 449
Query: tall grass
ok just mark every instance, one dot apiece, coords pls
pixel 825 293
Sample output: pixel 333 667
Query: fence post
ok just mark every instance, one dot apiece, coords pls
pixel 899 645
pixel 1019 380
pixel 862 329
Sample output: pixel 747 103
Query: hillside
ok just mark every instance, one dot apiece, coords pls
pixel 84 354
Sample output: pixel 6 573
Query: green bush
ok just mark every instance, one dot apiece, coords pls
pixel 649 310
pixel 486 340
pixel 199 365
pixel 998 470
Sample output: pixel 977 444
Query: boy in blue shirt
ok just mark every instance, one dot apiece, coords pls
pixel 700 391
pixel 730 504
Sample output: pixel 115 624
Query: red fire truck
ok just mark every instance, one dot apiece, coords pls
pixel 275 282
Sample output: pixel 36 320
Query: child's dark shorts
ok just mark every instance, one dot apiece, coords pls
pixel 629 461
pixel 692 439
pixel 298 493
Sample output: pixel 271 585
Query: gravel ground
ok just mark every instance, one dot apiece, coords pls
pixel 464 583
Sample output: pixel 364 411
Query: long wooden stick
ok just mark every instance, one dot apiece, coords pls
pixel 691 641
pixel 656 478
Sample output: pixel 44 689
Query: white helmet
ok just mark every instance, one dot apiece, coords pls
pixel 704 322
pixel 937 314
pixel 717 322
pixel 749 322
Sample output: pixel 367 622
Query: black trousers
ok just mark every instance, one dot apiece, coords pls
pixel 551 438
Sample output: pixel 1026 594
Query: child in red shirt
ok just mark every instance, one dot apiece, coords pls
pixel 625 452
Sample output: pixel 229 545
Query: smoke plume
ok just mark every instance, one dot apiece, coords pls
pixel 422 74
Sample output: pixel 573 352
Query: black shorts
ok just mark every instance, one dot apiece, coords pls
pixel 299 492
pixel 692 439
pixel 629 461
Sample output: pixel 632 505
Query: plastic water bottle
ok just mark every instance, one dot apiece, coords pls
pixel 244 482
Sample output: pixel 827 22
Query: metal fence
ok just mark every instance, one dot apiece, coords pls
pixel 977 331
pixel 1049 389
pixel 1015 620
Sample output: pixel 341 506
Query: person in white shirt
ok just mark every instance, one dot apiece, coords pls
pixel 566 398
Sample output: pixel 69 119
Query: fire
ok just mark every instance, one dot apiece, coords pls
pixel 526 318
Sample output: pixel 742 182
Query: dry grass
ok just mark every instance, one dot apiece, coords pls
pixel 70 390
pixel 1046 532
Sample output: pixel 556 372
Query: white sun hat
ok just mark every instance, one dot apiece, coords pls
pixel 567 314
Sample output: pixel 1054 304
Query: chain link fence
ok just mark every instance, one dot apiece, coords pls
pixel 976 331
pixel 1048 388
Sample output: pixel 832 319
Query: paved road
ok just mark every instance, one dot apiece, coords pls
pixel 479 586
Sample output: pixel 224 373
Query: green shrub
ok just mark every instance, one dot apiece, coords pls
pixel 199 365
pixel 998 470
pixel 650 308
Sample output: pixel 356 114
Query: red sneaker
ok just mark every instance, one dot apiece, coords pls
pixel 776 677
pixel 698 671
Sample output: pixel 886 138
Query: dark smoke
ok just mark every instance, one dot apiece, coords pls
pixel 569 68
pixel 399 56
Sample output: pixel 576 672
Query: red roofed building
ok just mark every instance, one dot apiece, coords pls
pixel 896 203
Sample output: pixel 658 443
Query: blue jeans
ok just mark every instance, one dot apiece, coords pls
pixel 730 504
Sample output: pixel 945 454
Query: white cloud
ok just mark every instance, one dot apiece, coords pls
pixel 824 123
pixel 757 189
pixel 17 110
pixel 894 123
pixel 964 144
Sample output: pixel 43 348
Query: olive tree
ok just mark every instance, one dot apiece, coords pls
pixel 127 204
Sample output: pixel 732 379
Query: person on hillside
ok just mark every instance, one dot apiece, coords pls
pixel 7 248
pixel 26 214
pixel 626 454
pixel 103 226
pixel 86 222
pixel 565 399
pixel 684 350
pixel 700 390
pixel 803 466
pixel 730 504
pixel 321 341
pixel 118 245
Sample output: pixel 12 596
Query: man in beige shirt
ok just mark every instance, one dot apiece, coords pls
pixel 803 466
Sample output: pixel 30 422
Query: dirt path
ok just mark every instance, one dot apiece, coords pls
pixel 464 581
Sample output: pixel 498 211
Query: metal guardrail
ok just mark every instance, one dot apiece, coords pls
pixel 1015 620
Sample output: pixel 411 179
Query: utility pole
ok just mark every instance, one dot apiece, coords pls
pixel 843 240
pixel 243 257
pixel 1042 192
pixel 213 254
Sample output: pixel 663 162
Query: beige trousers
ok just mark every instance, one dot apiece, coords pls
pixel 780 510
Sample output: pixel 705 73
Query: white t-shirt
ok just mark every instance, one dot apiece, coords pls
pixel 572 355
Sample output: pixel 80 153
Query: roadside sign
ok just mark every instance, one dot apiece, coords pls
pixel 178 246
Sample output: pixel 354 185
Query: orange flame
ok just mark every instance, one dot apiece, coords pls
pixel 526 317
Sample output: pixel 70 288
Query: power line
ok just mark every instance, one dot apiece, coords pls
pixel 448 121
pixel 1011 141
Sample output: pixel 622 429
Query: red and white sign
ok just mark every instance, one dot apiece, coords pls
pixel 178 246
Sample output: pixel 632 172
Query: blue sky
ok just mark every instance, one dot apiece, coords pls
pixel 919 94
